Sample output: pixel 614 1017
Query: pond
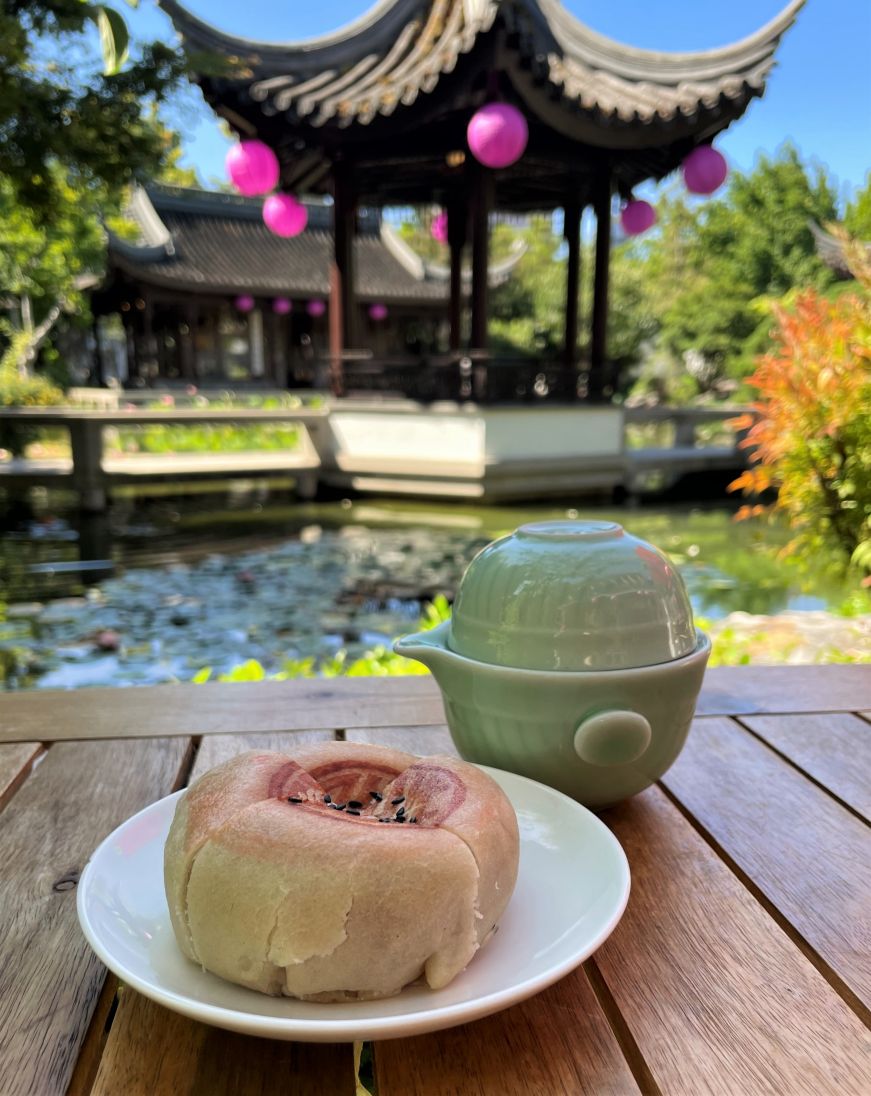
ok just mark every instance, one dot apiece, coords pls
pixel 169 585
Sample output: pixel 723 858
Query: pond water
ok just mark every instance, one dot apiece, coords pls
pixel 166 586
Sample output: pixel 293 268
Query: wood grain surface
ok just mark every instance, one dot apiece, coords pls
pixel 416 740
pixel 751 690
pixel 50 979
pixel 834 749
pixel 154 1052
pixel 809 856
pixel 260 707
pixel 268 706
pixel 740 967
pixel 558 1042
pixel 716 996
pixel 16 761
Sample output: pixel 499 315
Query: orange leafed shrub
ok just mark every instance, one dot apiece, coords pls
pixel 810 437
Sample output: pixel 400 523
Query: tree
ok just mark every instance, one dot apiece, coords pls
pixel 811 439
pixel 753 245
pixel 59 107
pixel 44 260
pixel 857 217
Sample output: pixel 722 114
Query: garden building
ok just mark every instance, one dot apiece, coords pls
pixel 204 294
pixel 376 114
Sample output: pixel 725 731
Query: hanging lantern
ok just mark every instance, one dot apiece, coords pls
pixel 244 303
pixel 316 307
pixel 497 134
pixel 378 312
pixel 439 228
pixel 637 216
pixel 704 170
pixel 284 215
pixel 281 306
pixel 252 167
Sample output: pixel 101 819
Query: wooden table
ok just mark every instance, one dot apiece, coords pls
pixel 742 964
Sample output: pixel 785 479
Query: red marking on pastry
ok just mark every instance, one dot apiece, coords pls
pixel 431 793
pixel 291 779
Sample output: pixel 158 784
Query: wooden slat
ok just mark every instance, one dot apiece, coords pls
pixel 716 996
pixel 151 1051
pixel 416 740
pixel 750 690
pixel 834 748
pixel 221 747
pixel 16 761
pixel 557 1042
pixel 49 978
pixel 91 1051
pixel 261 707
pixel 809 856
pixel 265 707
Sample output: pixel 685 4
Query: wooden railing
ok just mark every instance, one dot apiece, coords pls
pixel 90 470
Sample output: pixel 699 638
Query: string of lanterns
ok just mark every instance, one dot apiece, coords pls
pixel 497 135
pixel 253 169
pixel 316 307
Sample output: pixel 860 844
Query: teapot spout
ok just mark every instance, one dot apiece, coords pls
pixel 430 648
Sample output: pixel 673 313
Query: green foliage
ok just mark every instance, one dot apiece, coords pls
pixel 45 258
pixel 734 253
pixel 857 218
pixel 213 437
pixel 68 116
pixel 18 389
pixel 379 662
pixel 812 437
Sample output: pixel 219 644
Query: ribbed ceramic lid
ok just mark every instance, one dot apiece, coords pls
pixel 572 595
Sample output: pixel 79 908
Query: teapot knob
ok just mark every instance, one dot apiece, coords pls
pixel 612 738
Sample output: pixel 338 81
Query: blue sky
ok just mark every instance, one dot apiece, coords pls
pixel 819 95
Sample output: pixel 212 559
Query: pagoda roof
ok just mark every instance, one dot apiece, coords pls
pixel 214 242
pixel 393 91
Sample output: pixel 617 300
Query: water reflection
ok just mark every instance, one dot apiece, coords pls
pixel 235 574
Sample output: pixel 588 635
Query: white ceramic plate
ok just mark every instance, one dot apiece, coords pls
pixel 571 891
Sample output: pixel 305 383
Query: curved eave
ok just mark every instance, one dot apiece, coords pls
pixel 375 31
pixel 581 43
pixel 402 49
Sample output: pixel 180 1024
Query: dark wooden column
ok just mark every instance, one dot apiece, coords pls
pixel 481 209
pixel 572 233
pixel 218 342
pixel 458 215
pixel 188 342
pixel 599 330
pixel 343 311
pixel 148 339
pixel 99 360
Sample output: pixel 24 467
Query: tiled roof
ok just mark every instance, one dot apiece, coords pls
pixel 402 48
pixel 217 243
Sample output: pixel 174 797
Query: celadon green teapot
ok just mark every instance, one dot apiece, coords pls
pixel 571 657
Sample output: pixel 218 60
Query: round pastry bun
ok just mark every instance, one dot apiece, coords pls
pixel 342 871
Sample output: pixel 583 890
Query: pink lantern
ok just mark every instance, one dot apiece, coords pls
pixel 704 170
pixel 284 215
pixel 252 167
pixel 497 134
pixel 281 306
pixel 378 312
pixel 439 228
pixel 637 217
pixel 244 303
pixel 316 307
